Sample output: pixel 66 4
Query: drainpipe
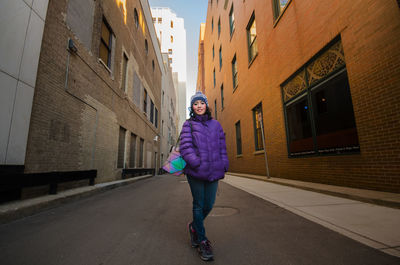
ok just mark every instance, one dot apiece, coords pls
pixel 260 119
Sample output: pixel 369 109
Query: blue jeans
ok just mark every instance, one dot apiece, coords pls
pixel 203 193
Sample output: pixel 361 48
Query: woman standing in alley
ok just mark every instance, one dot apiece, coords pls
pixel 204 150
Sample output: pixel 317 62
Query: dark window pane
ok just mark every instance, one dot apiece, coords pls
pixel 132 157
pixel 141 153
pixel 334 117
pixel 105 34
pixel 238 139
pixel 299 126
pixel 104 54
pixel 121 148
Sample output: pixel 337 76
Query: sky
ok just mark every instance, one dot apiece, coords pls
pixel 193 12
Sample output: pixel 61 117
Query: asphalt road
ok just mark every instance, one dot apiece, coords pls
pixel 146 223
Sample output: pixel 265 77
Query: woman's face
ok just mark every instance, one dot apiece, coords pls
pixel 199 107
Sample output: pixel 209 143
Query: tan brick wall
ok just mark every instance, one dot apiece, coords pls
pixel 369 31
pixel 77 128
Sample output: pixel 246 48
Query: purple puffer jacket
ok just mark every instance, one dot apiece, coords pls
pixel 203 148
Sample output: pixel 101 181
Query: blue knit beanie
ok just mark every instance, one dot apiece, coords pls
pixel 198 96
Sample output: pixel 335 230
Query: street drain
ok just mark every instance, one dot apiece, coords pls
pixel 219 211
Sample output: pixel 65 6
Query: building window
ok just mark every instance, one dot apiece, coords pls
pixel 106 43
pixel 222 96
pixel 279 6
pixel 213 52
pixel 252 38
pixel 170 51
pixel 212 25
pixel 162 127
pixel 172 39
pixel 121 148
pixel 234 73
pixel 145 101
pixel 146 47
pixel 318 107
pixel 124 71
pixel 238 139
pixel 170 60
pixel 152 65
pixel 231 20
pixel 154 20
pixel 257 118
pixel 136 17
pixel 132 151
pixel 151 111
pixel 220 57
pixel 162 98
pixel 219 27
pixel 156 118
pixel 172 24
pixel 159 20
pixel 141 152
pixel 215 109
pixel 214 77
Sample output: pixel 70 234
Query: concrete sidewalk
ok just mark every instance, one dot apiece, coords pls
pixel 371 224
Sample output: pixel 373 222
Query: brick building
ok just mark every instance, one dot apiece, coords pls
pixel 324 77
pixel 96 104
pixel 200 60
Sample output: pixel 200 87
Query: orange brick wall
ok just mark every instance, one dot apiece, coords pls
pixel 370 34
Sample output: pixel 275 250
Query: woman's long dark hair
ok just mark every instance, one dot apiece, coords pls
pixel 208 112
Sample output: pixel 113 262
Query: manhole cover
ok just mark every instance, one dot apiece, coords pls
pixel 219 211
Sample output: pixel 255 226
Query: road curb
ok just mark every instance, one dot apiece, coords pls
pixel 19 209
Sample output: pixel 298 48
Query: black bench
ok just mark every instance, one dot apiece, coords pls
pixel 11 183
pixel 134 172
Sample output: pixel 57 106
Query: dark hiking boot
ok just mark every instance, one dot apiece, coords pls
pixel 205 250
pixel 193 236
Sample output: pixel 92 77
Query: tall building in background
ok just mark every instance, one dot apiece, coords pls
pixel 323 79
pixel 171 33
pixel 200 69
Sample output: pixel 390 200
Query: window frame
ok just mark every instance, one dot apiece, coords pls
pixel 231 20
pixel 215 80
pixel 121 156
pixel 257 129
pixel 220 57
pixel 132 151
pixel 277 12
pixel 234 73
pixel 145 95
pixel 136 17
pixel 219 27
pixel 250 43
pixel 124 72
pixel 239 146
pixel 146 47
pixel 307 93
pixel 103 42
pixel 222 96
pixel 215 109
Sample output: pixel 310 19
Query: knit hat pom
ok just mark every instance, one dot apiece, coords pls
pixel 198 96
